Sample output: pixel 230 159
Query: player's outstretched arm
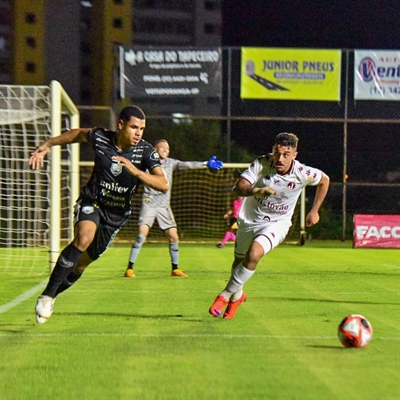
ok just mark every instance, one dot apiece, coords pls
pixel 312 217
pixel 156 179
pixel 72 136
pixel 243 188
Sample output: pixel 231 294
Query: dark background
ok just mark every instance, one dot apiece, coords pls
pixel 341 24
pixel 362 24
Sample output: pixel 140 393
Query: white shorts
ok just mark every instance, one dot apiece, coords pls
pixel 165 217
pixel 270 234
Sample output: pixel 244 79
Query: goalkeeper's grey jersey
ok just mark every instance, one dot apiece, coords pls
pixel 158 199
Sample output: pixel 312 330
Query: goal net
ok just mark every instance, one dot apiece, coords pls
pixel 199 200
pixel 35 206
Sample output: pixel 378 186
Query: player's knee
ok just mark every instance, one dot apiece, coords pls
pixel 140 239
pixel 261 246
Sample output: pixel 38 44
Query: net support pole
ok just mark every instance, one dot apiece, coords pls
pixel 55 175
pixel 303 212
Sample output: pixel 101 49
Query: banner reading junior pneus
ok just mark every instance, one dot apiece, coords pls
pixel 290 74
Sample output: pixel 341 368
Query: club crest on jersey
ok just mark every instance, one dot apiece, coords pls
pixel 155 156
pixel 87 209
pixel 116 168
pixel 291 185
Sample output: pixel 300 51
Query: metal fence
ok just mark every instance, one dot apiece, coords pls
pixel 355 142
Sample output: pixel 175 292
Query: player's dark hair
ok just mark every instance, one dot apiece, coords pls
pixel 287 139
pixel 160 141
pixel 131 111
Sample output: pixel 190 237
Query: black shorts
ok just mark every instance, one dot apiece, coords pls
pixel 105 233
pixel 232 221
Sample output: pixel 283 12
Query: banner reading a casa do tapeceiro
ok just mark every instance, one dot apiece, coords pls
pixel 376 75
pixel 174 71
pixel 290 74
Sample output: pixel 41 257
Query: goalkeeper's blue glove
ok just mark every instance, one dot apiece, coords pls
pixel 214 165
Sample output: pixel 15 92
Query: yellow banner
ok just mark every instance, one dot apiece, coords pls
pixel 290 74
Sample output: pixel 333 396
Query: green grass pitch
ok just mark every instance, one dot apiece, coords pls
pixel 151 337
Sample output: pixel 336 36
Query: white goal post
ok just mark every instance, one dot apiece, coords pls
pixel 36 206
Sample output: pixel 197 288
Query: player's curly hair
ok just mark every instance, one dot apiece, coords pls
pixel 131 111
pixel 287 139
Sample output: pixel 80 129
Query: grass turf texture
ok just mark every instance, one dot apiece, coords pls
pixel 151 337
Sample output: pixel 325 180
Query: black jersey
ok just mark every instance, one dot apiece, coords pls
pixel 111 186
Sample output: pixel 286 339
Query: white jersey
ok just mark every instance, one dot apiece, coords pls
pixel 288 187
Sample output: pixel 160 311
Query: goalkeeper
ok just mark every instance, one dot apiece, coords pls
pixel 156 205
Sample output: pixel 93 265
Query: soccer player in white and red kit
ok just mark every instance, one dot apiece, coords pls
pixel 271 186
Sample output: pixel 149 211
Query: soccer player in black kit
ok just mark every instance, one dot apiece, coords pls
pixel 103 207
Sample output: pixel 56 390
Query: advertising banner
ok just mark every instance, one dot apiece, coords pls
pixel 376 231
pixel 175 71
pixel 376 75
pixel 290 74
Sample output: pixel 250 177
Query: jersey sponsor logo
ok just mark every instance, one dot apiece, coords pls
pixel 87 209
pixel 116 168
pixel 113 186
pixel 385 232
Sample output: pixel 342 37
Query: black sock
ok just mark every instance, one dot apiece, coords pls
pixel 130 265
pixel 66 262
pixel 67 282
pixel 174 267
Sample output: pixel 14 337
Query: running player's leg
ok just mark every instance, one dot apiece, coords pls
pixel 74 275
pixel 258 241
pixel 85 231
pixel 69 257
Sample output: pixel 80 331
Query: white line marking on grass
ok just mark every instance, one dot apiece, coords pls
pixel 389 265
pixel 24 296
pixel 180 335
pixel 213 291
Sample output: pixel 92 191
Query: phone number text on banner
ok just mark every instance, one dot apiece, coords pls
pixel 290 74
pixel 182 72
pixel 376 75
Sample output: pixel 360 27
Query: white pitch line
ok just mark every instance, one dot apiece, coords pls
pixel 23 297
pixel 389 265
pixel 182 335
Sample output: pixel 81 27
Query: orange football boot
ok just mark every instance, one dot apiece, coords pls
pixel 230 311
pixel 218 306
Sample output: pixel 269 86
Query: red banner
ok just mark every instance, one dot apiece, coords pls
pixel 376 231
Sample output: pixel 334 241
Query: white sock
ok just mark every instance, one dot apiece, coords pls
pixel 237 295
pixel 240 275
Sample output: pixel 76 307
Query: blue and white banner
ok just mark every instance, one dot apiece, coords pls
pixel 377 74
